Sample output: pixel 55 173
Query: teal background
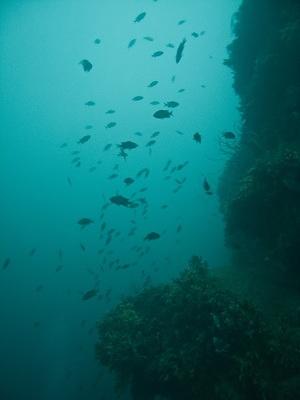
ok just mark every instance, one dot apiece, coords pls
pixel 43 91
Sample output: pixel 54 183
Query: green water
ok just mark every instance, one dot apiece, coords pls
pixel 48 332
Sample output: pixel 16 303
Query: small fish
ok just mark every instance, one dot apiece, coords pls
pixel 88 127
pixel 83 222
pixel 111 125
pixel 157 54
pixel 150 143
pixel 154 103
pixel 32 252
pixel 179 52
pixel 170 45
pixel 90 103
pixel 152 236
pixel 122 201
pixel 162 114
pixel 140 17
pixel 181 22
pixel 152 84
pixel 123 154
pixel 172 104
pixel 63 145
pixel 229 135
pixel 97 41
pixel 82 247
pixel 144 171
pixel 113 176
pixel 84 139
pixel 173 78
pixel 179 229
pixel 6 263
pixel 58 268
pixel 203 86
pixel 131 43
pixel 89 294
pixel 181 166
pixel 137 98
pixel 128 181
pixel 155 134
pixel 75 152
pixel 195 34
pixel 110 112
pixel 107 147
pixel 149 38
pixel 202 33
pixel 166 167
pixel 129 145
pixel 138 133
pixel 75 159
pixel 69 181
pixel 206 186
pixel 197 137
pixel 180 133
pixel 39 288
pixel 181 90
pixel 86 65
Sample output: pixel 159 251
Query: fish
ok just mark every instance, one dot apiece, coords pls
pixel 181 22
pixel 128 181
pixel 154 103
pixel 75 159
pixel 131 43
pixel 179 52
pixel 197 137
pixel 181 90
pixel 103 226
pixel 69 181
pixel 90 103
pixel 89 294
pixel 166 167
pixel 170 45
pixel 123 154
pixel 229 135
pixel 110 112
pixel 202 33
pixel 152 236
pixel 113 176
pixel 162 114
pixel 173 78
pixel 88 127
pixel 111 125
pixel 84 139
pixel 32 252
pixel 107 147
pixel 137 98
pixel 206 186
pixel 75 152
pixel 180 133
pixel 157 53
pixel 180 182
pixel 151 143
pixel 82 247
pixel 129 145
pixel 148 38
pixel 122 201
pixel 63 145
pixel 6 263
pixel 144 171
pixel 181 166
pixel 83 222
pixel 155 134
pixel 58 268
pixel 195 34
pixel 138 133
pixel 179 228
pixel 171 104
pixel 86 65
pixel 97 41
pixel 152 84
pixel 140 17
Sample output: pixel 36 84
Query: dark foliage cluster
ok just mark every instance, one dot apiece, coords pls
pixel 193 339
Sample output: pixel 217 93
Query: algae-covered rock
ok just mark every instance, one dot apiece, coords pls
pixel 191 339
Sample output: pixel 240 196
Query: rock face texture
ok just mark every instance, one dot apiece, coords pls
pixel 260 187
